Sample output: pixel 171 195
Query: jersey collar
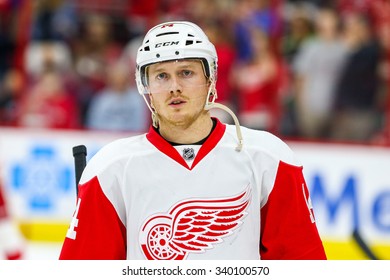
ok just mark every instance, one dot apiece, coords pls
pixel 163 146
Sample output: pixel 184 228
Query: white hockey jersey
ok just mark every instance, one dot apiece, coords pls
pixel 142 198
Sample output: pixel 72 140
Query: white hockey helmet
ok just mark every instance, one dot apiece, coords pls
pixel 171 41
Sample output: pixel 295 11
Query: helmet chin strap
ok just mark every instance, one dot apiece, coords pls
pixel 155 120
pixel 210 104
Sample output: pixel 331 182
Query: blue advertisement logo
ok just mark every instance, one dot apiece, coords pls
pixel 41 178
pixel 348 199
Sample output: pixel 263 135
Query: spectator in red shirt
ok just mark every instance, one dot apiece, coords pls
pixel 49 104
pixel 257 83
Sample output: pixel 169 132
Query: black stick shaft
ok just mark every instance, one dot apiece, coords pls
pixel 80 161
pixel 363 245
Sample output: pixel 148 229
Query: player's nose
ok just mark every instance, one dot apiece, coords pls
pixel 175 86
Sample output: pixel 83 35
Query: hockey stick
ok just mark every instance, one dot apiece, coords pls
pixel 363 245
pixel 80 161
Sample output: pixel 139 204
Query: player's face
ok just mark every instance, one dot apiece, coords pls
pixel 178 91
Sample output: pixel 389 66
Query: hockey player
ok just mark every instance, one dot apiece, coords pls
pixel 191 187
pixel 12 243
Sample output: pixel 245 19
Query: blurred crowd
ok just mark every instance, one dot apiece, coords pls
pixel 314 70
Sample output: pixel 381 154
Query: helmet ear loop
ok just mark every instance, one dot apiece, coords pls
pixel 211 95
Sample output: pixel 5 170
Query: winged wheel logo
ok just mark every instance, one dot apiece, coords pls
pixel 192 226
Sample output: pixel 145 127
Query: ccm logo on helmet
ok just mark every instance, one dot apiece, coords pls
pixel 166 44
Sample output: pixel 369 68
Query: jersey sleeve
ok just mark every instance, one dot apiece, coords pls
pixel 96 231
pixel 288 228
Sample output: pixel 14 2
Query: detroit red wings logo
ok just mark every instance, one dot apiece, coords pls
pixel 192 226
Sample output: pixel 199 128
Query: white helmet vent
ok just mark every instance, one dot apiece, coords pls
pixel 191 42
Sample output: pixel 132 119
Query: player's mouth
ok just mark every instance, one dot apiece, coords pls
pixel 176 102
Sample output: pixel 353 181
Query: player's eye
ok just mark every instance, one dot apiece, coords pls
pixel 186 73
pixel 161 76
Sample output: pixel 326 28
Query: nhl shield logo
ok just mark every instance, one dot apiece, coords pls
pixel 188 153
